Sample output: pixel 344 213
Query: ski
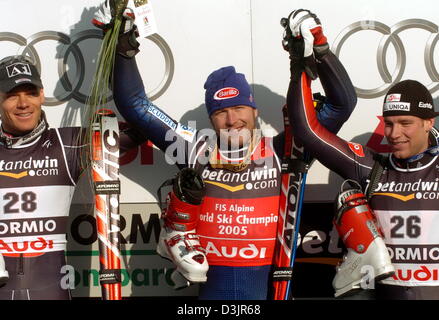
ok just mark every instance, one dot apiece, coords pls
pixel 295 165
pixel 105 174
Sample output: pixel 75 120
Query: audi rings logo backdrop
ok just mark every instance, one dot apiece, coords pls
pixel 70 88
pixel 390 36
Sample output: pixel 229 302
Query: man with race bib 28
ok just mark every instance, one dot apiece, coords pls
pixel 39 170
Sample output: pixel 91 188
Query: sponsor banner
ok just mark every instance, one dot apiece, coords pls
pixel 414 253
pixel 11 228
pixel 415 275
pixel 145 274
pixel 31 246
pixel 319 250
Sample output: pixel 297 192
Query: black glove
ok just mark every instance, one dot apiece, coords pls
pixel 188 186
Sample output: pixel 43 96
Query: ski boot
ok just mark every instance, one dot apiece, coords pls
pixel 367 258
pixel 178 240
pixel 4 275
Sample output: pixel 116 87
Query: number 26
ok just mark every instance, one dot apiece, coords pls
pixel 411 225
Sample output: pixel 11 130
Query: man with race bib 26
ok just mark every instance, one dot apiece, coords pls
pixel 405 195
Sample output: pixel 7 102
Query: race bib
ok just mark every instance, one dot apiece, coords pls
pixel 239 232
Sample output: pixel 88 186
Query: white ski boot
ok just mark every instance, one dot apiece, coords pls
pixel 4 275
pixel 185 251
pixel 178 240
pixel 367 259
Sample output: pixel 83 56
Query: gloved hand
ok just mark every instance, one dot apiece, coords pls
pixel 127 45
pixel 304 40
pixel 104 17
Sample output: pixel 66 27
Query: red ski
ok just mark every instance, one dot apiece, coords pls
pixel 294 170
pixel 105 169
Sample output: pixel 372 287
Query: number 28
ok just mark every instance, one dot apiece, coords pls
pixel 15 202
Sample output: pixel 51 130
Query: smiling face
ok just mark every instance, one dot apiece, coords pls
pixel 20 109
pixel 234 125
pixel 407 135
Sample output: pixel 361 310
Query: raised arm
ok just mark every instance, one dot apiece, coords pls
pixel 146 119
pixel 341 98
pixel 133 104
pixel 350 160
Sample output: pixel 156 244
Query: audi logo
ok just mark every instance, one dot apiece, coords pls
pixel 391 36
pixel 70 46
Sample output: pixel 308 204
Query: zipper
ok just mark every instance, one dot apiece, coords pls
pixel 21 265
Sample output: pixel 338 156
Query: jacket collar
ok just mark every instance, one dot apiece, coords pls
pixel 14 142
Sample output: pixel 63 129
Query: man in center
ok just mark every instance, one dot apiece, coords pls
pixel 231 234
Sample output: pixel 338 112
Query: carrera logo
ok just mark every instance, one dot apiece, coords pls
pixel 226 93
pixel 356 148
